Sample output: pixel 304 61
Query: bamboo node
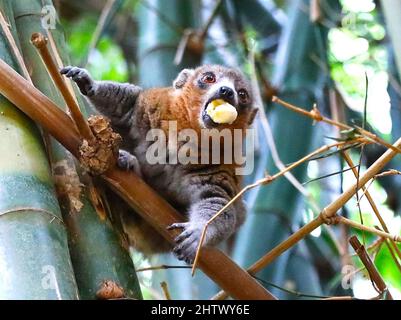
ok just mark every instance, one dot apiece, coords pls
pixel 315 114
pixel 329 219
pixel 110 290
pixel 101 155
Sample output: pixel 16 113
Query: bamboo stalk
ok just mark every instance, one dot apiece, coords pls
pixel 137 193
pixel 58 123
pixel 40 42
pixel 83 209
pixel 35 262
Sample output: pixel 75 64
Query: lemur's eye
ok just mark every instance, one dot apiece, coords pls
pixel 209 78
pixel 243 95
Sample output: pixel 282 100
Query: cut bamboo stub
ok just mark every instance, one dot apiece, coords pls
pixel 375 276
pixel 155 210
pixel 40 42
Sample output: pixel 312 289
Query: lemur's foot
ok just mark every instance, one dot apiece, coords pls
pixel 81 77
pixel 187 242
pixel 128 161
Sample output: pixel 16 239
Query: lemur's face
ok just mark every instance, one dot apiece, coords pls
pixel 220 97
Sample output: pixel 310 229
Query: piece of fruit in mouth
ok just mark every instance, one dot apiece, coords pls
pixel 221 111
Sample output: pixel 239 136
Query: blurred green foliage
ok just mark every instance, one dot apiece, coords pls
pixel 106 61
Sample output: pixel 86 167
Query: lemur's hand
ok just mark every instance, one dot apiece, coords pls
pixel 81 77
pixel 187 242
pixel 128 161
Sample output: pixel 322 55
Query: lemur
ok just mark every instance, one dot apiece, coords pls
pixel 198 190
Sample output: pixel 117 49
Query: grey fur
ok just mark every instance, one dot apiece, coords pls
pixel 115 100
pixel 200 191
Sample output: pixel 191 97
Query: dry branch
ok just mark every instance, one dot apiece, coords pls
pixel 136 192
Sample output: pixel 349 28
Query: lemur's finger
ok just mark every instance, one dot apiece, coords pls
pixel 177 226
pixel 188 253
pixel 80 75
pixel 74 71
pixel 182 236
pixel 177 251
pixel 65 69
pixel 127 161
pixel 186 243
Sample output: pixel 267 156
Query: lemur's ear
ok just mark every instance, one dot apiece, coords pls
pixel 182 78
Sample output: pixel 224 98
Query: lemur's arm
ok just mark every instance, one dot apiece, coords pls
pixel 114 100
pixel 208 192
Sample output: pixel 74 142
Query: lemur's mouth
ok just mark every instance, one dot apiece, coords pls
pixel 219 111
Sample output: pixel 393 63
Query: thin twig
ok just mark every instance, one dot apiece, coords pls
pixel 301 294
pixel 391 172
pixel 317 116
pixel 372 230
pixel 361 155
pixel 162 267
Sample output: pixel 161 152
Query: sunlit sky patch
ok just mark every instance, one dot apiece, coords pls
pixel 346 45
pixel 358 5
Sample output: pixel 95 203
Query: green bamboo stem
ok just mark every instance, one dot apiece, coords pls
pixel 97 251
pixel 35 262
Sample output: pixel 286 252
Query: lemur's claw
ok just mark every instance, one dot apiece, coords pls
pixel 81 77
pixel 187 242
pixel 128 161
pixel 177 226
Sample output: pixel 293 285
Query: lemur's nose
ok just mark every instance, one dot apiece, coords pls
pixel 226 92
